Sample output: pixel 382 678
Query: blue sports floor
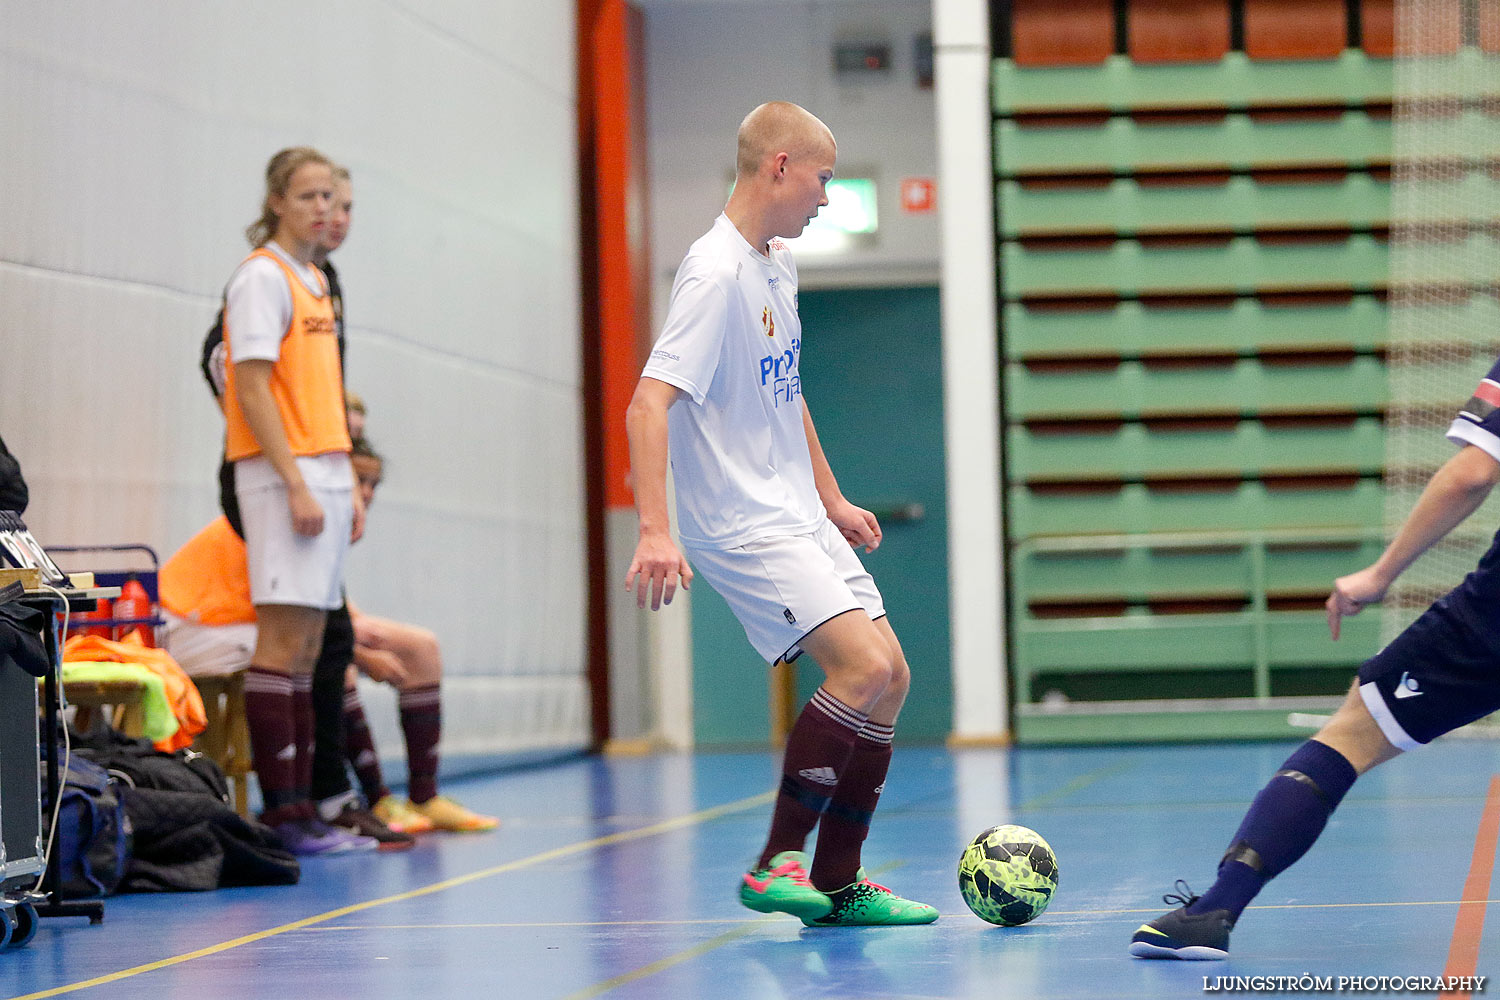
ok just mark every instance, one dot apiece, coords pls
pixel 616 878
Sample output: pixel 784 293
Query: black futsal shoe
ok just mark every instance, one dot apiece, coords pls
pixel 1195 937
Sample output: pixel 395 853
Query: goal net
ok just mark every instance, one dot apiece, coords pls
pixel 1444 270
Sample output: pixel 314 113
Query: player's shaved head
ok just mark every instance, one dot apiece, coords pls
pixel 779 127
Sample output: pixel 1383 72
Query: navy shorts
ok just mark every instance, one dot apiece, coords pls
pixel 1443 671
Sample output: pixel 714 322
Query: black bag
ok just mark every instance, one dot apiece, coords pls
pixel 21 638
pixel 135 762
pixel 189 841
pixel 92 842
pixel 186 836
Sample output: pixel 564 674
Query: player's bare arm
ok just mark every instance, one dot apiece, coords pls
pixel 658 566
pixel 1455 491
pixel 857 525
pixel 259 408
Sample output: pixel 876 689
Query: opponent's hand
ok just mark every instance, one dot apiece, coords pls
pixel 1350 595
pixel 857 525
pixel 307 513
pixel 657 567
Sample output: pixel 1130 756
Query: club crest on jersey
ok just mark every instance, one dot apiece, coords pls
pixel 768 322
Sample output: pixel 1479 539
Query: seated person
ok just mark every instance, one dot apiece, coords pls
pixel 210 630
pixel 204 593
pixel 406 657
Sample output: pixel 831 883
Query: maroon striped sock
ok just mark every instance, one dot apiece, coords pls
pixel 359 747
pixel 846 823
pixel 422 725
pixel 273 741
pixel 817 749
pixel 305 728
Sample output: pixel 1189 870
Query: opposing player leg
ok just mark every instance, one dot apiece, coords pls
pixel 1437 675
pixel 1283 822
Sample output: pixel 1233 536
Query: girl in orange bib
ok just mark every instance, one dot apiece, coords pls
pixel 289 441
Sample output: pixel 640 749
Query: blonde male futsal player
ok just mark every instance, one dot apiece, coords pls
pixel 761 516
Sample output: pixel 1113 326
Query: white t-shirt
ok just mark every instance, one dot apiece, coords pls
pixel 733 343
pixel 258 304
pixel 258 310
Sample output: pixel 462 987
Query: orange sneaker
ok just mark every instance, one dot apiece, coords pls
pixel 445 814
pixel 399 815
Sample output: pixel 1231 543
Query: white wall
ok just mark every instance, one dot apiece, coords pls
pixel 709 62
pixel 132 147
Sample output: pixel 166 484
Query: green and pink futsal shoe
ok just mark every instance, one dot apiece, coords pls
pixel 783 887
pixel 866 903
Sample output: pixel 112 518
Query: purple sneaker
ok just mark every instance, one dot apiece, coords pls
pixel 313 837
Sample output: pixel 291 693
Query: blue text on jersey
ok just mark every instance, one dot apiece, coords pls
pixel 779 372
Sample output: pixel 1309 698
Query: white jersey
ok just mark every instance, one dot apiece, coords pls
pixel 258 304
pixel 733 343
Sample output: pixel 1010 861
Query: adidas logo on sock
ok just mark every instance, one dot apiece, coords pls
pixel 821 775
pixel 288 752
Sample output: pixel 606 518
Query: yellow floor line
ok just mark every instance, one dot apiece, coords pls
pixel 1278 906
pixel 521 925
pixel 1082 781
pixel 666 826
pixel 598 989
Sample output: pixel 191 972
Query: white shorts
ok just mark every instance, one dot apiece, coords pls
pixel 783 587
pixel 208 650
pixel 285 567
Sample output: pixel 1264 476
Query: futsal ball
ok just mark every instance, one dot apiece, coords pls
pixel 1007 875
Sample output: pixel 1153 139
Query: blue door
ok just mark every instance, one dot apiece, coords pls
pixel 872 367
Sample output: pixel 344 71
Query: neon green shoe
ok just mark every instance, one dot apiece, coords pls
pixel 866 903
pixel 784 888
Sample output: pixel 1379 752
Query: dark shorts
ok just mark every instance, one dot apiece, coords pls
pixel 229 501
pixel 1443 671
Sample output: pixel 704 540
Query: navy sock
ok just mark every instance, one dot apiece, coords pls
pixel 1282 823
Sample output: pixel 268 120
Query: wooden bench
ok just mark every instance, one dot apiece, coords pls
pixel 122 700
pixel 226 740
